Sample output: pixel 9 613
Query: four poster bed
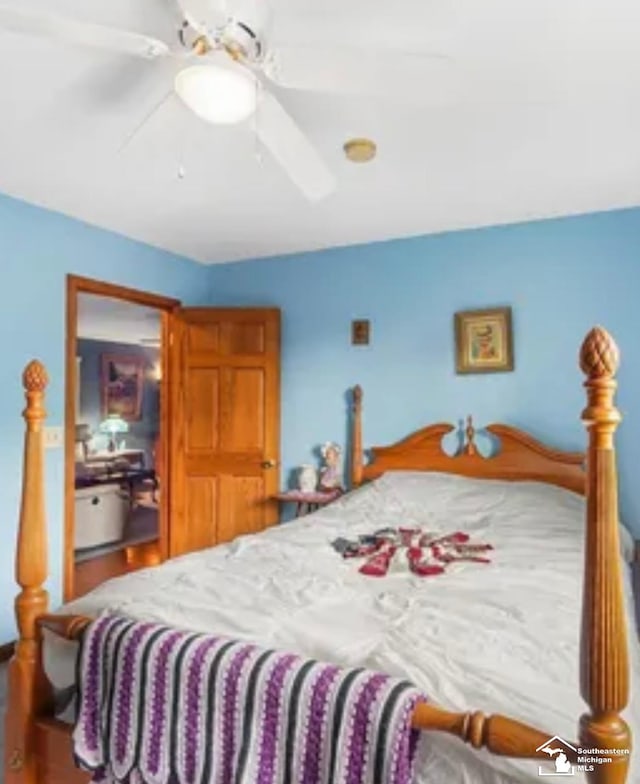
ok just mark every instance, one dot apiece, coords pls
pixel 38 742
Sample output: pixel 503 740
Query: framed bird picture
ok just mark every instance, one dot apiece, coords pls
pixel 484 341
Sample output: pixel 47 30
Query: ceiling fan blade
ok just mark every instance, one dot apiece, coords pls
pixel 280 134
pixel 81 33
pixel 349 71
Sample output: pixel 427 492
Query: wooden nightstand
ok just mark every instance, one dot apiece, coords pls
pixel 307 502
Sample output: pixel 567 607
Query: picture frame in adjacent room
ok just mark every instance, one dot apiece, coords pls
pixel 122 386
pixel 484 341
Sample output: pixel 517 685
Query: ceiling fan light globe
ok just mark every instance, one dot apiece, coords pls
pixel 218 94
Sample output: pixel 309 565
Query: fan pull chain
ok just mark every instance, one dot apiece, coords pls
pixel 181 171
pixel 186 144
pixel 257 146
pixel 136 130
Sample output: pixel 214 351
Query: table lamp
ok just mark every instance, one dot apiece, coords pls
pixel 112 426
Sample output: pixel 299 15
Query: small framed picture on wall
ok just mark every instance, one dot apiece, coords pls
pixel 484 341
pixel 360 332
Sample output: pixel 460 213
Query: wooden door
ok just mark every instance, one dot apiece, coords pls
pixel 225 430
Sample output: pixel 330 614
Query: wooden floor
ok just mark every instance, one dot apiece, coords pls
pixel 138 550
pixel 91 573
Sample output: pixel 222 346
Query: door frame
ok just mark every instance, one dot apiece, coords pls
pixel 79 285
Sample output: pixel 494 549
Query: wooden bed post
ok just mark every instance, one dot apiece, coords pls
pixel 604 666
pixel 28 692
pixel 357 457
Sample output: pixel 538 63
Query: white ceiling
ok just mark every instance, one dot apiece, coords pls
pixel 117 321
pixel 539 115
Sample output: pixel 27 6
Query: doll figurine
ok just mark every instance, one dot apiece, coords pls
pixel 330 475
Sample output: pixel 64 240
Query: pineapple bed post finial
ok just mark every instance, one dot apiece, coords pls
pixel 599 361
pixel 604 658
pixel 34 381
pixel 470 433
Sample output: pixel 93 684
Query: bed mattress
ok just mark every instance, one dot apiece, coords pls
pixel 501 638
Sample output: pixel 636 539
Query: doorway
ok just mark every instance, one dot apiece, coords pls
pixel 117 432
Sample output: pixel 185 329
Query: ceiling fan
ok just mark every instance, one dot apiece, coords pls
pixel 227 59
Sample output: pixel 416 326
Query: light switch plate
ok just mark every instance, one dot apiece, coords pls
pixel 54 437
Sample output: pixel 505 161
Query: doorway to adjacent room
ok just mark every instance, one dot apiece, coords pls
pixel 117 431
pixel 172 429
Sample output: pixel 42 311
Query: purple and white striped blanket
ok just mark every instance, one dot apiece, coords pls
pixel 162 706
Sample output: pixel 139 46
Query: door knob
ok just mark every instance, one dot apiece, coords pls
pixel 269 463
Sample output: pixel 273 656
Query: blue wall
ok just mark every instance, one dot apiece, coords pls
pixel 37 250
pixel 560 277
pixel 143 432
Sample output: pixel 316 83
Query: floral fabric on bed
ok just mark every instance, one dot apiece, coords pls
pixel 426 553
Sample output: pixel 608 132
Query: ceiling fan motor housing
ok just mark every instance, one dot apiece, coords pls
pixel 189 36
pixel 241 41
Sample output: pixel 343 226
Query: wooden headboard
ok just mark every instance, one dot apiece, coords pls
pixel 518 456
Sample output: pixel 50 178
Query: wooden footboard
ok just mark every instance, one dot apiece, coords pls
pixel 38 748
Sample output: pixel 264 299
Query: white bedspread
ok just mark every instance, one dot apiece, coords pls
pixel 501 638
